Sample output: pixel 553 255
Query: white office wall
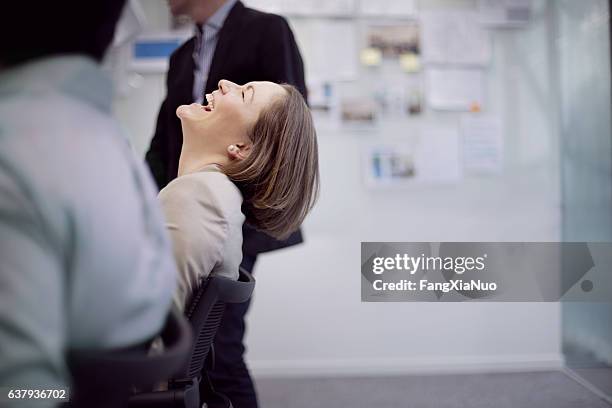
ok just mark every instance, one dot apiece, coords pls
pixel 307 317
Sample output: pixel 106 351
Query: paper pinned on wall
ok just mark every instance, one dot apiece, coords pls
pixel 454 37
pixel 433 159
pixel 483 147
pixel 338 8
pixel 269 6
pixel 505 13
pixel 329 49
pixel 454 89
pixel 394 8
pixel 438 155
pixel 389 165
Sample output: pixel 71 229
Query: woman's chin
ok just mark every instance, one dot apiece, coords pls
pixel 193 111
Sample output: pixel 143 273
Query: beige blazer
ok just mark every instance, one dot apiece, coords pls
pixel 204 220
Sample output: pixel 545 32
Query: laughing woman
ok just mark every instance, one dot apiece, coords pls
pixel 251 153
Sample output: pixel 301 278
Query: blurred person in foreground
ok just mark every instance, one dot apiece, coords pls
pixel 241 45
pixel 85 262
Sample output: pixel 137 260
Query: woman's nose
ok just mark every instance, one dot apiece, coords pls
pixel 225 86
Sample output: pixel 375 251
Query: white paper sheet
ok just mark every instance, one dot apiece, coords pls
pixel 438 157
pixel 454 89
pixel 483 146
pixel 454 37
pixel 393 8
pixel 319 7
pixel 328 47
pixel 269 6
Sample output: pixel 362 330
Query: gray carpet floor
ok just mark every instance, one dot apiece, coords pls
pixel 508 390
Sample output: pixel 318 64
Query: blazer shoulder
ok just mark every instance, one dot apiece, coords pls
pixel 205 189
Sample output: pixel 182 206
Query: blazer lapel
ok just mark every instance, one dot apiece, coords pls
pixel 186 74
pixel 230 29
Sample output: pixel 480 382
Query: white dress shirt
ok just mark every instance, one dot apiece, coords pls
pixel 204 49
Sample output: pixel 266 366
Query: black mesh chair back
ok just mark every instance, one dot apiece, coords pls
pixel 206 310
pixel 204 313
pixel 105 378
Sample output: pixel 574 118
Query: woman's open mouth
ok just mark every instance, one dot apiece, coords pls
pixel 211 103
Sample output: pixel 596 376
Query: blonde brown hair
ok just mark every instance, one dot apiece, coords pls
pixel 279 179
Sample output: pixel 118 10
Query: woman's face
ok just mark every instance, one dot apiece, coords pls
pixel 231 111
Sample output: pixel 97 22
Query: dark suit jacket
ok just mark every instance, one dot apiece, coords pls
pixel 252 46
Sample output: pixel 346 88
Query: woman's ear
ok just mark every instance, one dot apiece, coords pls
pixel 238 151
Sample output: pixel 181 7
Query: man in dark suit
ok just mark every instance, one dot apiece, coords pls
pixel 239 44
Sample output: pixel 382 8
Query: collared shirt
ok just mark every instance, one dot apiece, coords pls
pixel 204 49
pixel 85 261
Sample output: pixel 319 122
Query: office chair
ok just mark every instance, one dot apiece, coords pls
pixel 106 378
pixel 204 313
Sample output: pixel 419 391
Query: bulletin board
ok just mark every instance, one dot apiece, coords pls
pixel 411 83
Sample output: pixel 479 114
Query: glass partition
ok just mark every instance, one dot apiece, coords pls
pixel 582 46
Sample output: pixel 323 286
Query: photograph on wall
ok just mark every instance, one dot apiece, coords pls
pixel 433 157
pixel 389 165
pixel 358 110
pixel 394 40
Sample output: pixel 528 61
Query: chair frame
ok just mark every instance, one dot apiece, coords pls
pixel 103 378
pixel 204 313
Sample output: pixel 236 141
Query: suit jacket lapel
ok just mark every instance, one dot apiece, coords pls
pixel 186 74
pixel 180 92
pixel 231 27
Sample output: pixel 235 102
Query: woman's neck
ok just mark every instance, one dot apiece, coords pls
pixel 192 161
